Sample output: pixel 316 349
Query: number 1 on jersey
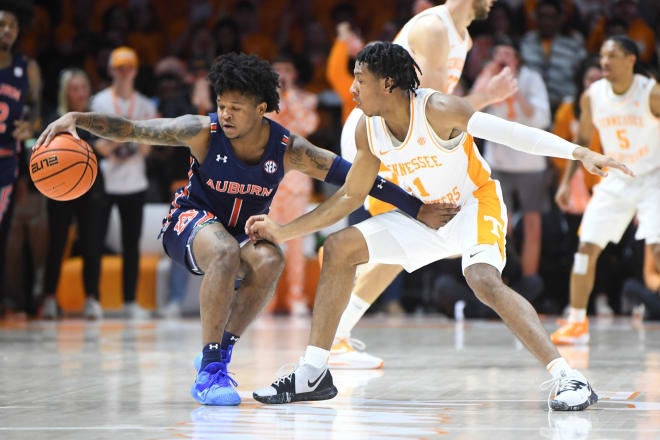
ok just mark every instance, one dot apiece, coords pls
pixel 422 191
pixel 235 211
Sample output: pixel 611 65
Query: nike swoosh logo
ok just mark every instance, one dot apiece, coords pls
pixel 313 384
pixel 476 253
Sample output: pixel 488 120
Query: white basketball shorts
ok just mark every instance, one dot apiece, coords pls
pixel 615 201
pixel 477 233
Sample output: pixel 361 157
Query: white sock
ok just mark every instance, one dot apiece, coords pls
pixel 576 315
pixel 354 311
pixel 316 356
pixel 558 368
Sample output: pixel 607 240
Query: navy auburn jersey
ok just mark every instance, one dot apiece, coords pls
pixel 14 86
pixel 227 187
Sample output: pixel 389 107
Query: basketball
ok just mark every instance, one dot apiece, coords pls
pixel 65 169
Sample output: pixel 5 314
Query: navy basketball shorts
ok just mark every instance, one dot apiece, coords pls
pixel 180 231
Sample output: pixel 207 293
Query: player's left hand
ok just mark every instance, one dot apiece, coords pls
pixel 436 215
pixel 22 130
pixel 597 163
pixel 262 227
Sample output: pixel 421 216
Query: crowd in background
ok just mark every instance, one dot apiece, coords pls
pixel 95 55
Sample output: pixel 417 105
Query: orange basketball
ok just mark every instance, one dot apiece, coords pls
pixel 65 169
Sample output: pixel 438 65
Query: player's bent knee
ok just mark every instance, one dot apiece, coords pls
pixel 270 259
pixel 346 247
pixel 225 256
pixel 590 249
pixel 484 280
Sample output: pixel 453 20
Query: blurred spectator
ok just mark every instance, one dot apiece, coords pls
pixel 146 35
pixel 339 70
pixel 123 167
pixel 521 175
pixel 316 53
pixel 21 106
pixel 253 41
pixel 202 93
pixel 226 36
pixel 500 23
pixel 298 114
pixel 74 93
pixel 554 56
pixel 635 27
pixel 646 294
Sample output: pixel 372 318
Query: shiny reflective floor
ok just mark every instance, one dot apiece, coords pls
pixel 119 379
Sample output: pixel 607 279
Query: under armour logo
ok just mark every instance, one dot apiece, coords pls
pixel 380 184
pixel 219 158
pixel 214 346
pixel 233 338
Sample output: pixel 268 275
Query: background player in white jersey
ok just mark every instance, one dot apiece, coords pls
pixel 438 40
pixel 625 108
pixel 423 136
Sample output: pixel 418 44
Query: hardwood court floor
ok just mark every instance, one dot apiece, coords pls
pixel 124 380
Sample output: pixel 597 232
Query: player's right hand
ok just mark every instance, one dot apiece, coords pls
pixel 502 86
pixel 262 227
pixel 563 196
pixel 436 215
pixel 66 123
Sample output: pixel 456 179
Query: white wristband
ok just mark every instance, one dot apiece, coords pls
pixel 518 136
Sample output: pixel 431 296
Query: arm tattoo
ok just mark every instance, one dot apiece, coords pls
pixel 175 131
pixel 303 155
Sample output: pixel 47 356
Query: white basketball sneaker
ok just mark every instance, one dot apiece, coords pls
pixel 571 392
pixel 343 355
pixel 305 383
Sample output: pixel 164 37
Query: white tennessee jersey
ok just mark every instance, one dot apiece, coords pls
pixel 629 132
pixel 458 44
pixel 424 165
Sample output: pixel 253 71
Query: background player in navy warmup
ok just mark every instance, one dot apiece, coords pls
pixel 20 84
pixel 238 159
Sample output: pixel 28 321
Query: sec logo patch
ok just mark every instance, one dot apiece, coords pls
pixel 270 166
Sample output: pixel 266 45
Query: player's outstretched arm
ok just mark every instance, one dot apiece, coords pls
pixel 450 112
pixel 190 130
pixel 347 198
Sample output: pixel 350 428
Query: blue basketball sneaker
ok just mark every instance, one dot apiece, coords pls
pixel 213 385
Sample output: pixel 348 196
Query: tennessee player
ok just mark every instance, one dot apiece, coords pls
pixel 624 107
pixel 426 137
pixel 438 40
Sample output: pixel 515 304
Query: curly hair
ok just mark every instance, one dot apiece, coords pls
pixel 247 74
pixel 22 9
pixel 389 60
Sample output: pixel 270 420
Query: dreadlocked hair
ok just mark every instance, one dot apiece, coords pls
pixel 22 9
pixel 247 74
pixel 389 60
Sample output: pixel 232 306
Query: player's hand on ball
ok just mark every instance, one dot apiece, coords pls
pixel 596 163
pixel 436 215
pixel 563 196
pixel 262 227
pixel 66 123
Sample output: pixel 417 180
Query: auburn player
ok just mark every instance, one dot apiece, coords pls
pixel 425 137
pixel 438 40
pixel 624 107
pixel 238 159
pixel 20 87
